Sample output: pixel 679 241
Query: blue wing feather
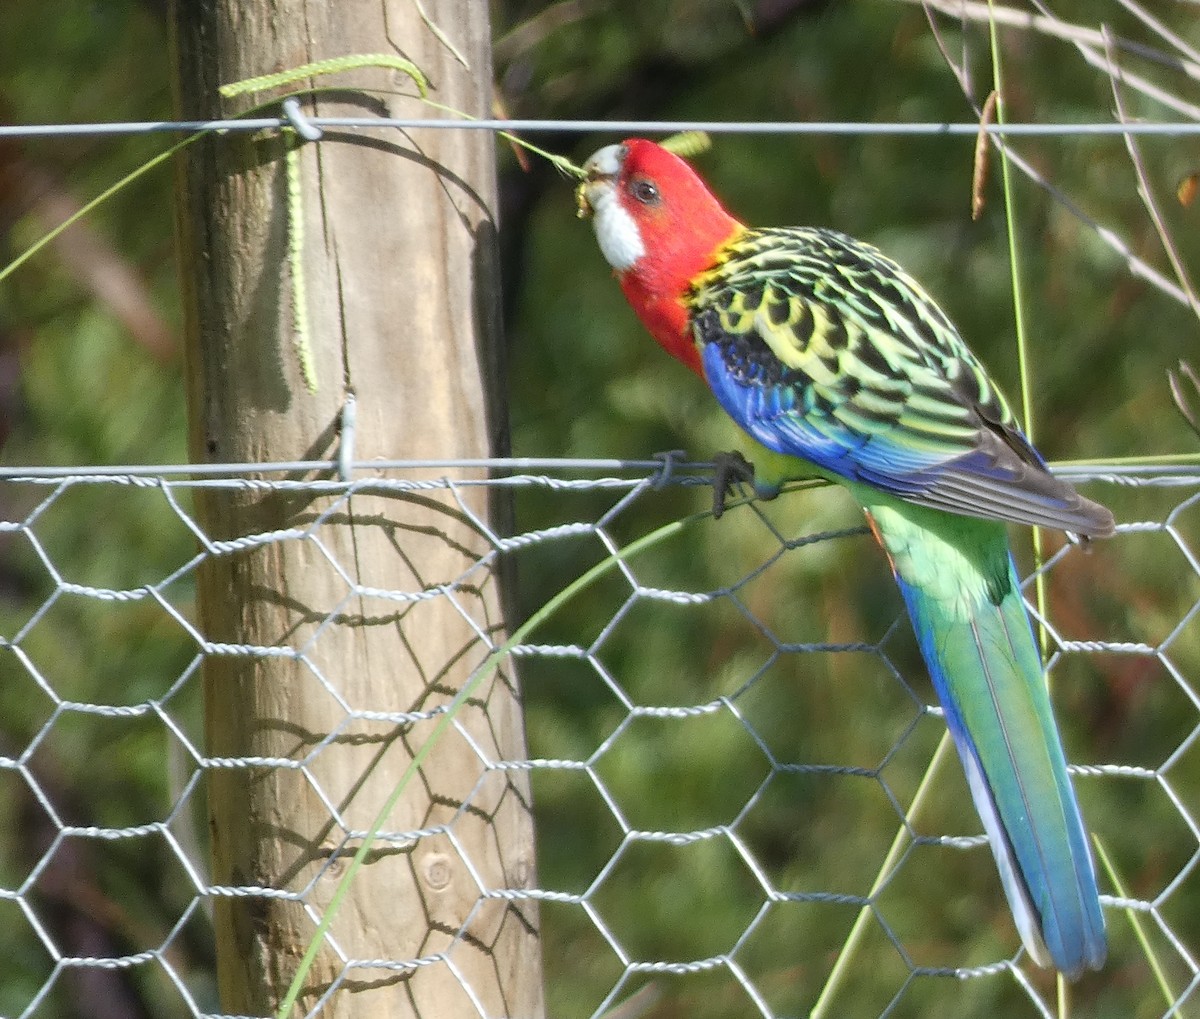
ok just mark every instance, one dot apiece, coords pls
pixel 849 365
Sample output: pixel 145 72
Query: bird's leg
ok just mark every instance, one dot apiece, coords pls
pixel 731 470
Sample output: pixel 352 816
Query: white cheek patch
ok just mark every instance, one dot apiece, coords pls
pixel 617 233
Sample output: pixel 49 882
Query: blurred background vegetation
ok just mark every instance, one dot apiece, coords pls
pixel 90 373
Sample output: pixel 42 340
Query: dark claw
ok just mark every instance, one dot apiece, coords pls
pixel 730 471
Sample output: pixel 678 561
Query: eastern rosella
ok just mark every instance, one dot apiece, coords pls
pixel 840 364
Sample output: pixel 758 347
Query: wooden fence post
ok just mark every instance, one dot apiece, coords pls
pixel 402 283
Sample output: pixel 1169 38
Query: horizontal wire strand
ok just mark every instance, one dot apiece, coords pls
pixel 962 128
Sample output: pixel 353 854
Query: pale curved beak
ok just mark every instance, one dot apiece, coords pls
pixel 602 168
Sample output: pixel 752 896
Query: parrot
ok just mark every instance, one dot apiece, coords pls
pixel 840 366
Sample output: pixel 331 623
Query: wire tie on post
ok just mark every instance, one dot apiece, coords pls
pixel 345 454
pixel 669 460
pixel 304 127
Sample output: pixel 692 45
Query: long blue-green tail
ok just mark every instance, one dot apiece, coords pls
pixel 961 589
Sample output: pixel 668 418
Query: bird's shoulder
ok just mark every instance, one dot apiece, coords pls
pixel 824 348
pixel 820 285
pixel 814 308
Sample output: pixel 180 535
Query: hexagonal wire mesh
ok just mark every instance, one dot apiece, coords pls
pixel 730 779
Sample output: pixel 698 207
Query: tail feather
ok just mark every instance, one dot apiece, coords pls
pixel 961 590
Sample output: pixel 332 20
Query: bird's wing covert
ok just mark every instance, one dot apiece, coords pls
pixel 823 348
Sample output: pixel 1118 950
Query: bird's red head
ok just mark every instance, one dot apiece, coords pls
pixel 659 227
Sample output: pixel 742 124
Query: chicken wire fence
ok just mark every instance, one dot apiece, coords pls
pixel 734 850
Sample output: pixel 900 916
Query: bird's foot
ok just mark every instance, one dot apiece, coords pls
pixel 731 470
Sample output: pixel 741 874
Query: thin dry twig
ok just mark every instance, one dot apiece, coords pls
pixel 1048 23
pixel 1145 191
pixel 1137 266
pixel 441 36
pixel 534 30
pixel 85 253
pixel 1182 402
pixel 960 71
pixel 1185 371
pixel 1092 55
pixel 1164 33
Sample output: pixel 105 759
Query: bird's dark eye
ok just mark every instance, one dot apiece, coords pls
pixel 644 191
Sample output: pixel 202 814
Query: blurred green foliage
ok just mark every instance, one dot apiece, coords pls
pixel 77 386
